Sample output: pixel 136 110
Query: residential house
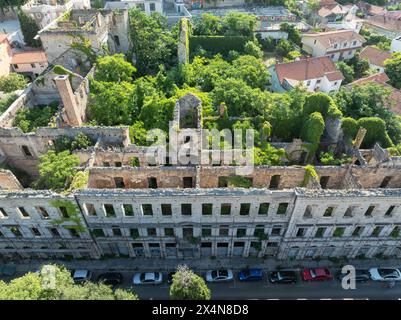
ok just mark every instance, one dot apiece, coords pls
pixel 386 23
pixel 382 79
pixel 45 11
pixel 376 57
pixel 339 44
pixel 5 55
pixel 29 63
pixel 143 5
pixel 316 74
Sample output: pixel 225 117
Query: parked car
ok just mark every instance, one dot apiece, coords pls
pixel 147 278
pixel 316 274
pixel 170 277
pixel 385 274
pixel 252 274
pixel 361 275
pixel 219 275
pixel 81 275
pixel 111 278
pixel 282 277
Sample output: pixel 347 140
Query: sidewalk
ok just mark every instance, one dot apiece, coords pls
pixel 152 264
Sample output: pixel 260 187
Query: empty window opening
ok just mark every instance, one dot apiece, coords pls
pixel 26 151
pixel 369 211
pixel 23 212
pixel 42 211
pixel 241 232
pixel 36 232
pixel 320 232
pixel 166 209
pixel 128 210
pixel 263 209
pixel 225 209
pixel 206 231
pixel 244 209
pixel 152 183
pixel 74 233
pixel 188 182
pixel 54 232
pixel 90 209
pixel 324 181
pixel 207 209
pixel 3 213
pixel 109 209
pixel 385 182
pixel 349 213
pixel 117 40
pixel 274 182
pixel 301 232
pixel 376 231
pixel 357 231
pixel 389 211
pixel 186 209
pixel 328 212
pixel 116 232
pixel 169 232
pixel 118 164
pixel 147 210
pixel 64 212
pixel 308 212
pixel 282 208
pixel 119 182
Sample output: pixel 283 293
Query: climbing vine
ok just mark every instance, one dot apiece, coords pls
pixel 310 172
pixel 72 213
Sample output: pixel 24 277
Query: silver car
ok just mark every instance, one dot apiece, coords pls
pixel 143 278
pixel 221 275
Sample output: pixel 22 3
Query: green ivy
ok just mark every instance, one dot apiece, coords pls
pixel 310 172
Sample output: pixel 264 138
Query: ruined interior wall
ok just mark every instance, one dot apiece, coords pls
pixel 135 178
pixel 25 99
pixel 372 177
pixel 8 181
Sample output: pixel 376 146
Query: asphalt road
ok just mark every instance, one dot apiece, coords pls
pixel 265 290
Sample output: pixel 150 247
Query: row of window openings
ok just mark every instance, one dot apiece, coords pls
pixel 239 244
pixel 186 209
pixel 339 232
pixel 349 213
pixel 35 232
pixel 188 232
pixel 42 211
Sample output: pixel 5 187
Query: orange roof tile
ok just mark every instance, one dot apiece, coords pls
pixel 375 56
pixel 330 37
pixel 28 57
pixel 310 68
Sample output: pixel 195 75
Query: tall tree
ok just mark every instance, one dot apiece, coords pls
pixel 393 69
pixel 114 69
pixel 29 29
pixel 188 286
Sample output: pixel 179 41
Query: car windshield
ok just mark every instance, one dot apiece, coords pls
pixel 246 273
pixel 214 274
pixel 223 273
pixel 313 273
pixel 387 273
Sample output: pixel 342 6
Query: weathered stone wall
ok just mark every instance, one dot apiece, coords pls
pixel 8 181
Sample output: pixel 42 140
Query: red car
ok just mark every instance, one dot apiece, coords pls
pixel 316 274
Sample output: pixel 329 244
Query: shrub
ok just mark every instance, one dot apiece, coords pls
pixel 322 103
pixel 376 132
pixel 350 127
pixel 218 44
pixel 12 82
pixel 313 129
pixel 29 119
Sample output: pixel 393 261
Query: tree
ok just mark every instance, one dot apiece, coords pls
pixel 188 286
pixel 31 287
pixel 12 82
pixel 29 29
pixel 153 43
pixel 112 103
pixel 208 24
pixel 313 129
pixel 347 71
pixel 294 35
pixel 251 70
pixel 55 169
pixel 29 119
pixel 321 102
pixel 239 24
pixel 253 49
pixel 114 69
pixel 393 69
pixel 283 48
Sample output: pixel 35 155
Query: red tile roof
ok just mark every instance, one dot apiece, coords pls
pixel 380 77
pixel 306 69
pixel 375 56
pixel 28 57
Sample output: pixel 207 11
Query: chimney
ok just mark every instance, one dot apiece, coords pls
pixel 68 98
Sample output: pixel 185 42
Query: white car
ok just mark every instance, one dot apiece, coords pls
pixel 219 275
pixel 147 278
pixel 385 274
pixel 81 275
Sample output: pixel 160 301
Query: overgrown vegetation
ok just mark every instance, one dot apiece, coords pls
pixel 12 82
pixel 29 119
pixel 29 29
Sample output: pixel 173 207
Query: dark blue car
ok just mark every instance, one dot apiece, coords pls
pixel 250 275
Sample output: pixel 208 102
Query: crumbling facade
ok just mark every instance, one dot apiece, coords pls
pixel 136 205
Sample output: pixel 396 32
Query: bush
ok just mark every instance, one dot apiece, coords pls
pixel 12 82
pixel 313 129
pixel 252 49
pixel 283 48
pixel 55 169
pixel 7 101
pixel 218 44
pixel 350 127
pixel 322 103
pixel 376 132
pixel 29 119
pixel 188 286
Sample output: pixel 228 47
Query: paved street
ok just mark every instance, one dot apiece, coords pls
pixel 236 290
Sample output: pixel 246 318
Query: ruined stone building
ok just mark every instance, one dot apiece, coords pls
pixel 135 204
